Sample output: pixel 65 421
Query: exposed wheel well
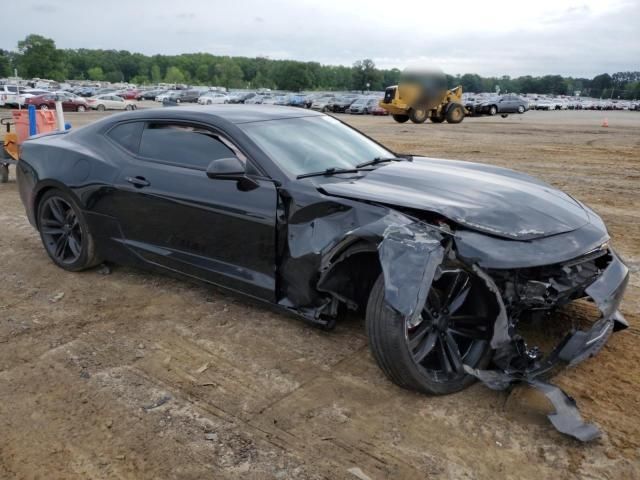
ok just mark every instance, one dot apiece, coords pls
pixel 352 274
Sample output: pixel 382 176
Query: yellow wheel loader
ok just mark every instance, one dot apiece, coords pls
pixel 421 95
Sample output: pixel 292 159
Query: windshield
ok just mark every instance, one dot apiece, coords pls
pixel 311 144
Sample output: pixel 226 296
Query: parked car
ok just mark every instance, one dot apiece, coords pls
pixel 149 94
pixel 297 101
pixel 166 94
pixel 502 104
pixel 110 102
pixel 241 97
pixel 362 106
pixel 281 100
pixel 131 94
pixel 182 96
pixel 321 104
pixel 378 110
pixel 70 102
pixel 340 104
pixel 9 95
pixel 444 259
pixel 212 98
pixel 545 104
pixel 256 99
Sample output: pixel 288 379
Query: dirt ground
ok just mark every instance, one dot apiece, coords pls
pixel 129 375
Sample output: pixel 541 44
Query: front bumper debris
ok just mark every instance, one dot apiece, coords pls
pixel 606 291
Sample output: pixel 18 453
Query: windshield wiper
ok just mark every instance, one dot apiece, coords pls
pixel 378 160
pixel 328 171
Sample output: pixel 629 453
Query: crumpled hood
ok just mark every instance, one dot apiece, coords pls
pixel 489 199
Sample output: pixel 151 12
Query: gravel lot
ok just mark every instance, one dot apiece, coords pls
pixel 133 375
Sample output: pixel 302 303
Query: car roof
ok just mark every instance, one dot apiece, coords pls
pixel 235 114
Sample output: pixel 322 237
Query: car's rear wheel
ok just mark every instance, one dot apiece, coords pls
pixel 418 115
pixel 129 107
pixel 81 108
pixel 493 110
pixel 520 109
pixel 101 108
pixel 4 172
pixel 454 328
pixel 400 118
pixel 65 233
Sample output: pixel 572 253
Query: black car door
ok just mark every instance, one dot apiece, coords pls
pixel 172 215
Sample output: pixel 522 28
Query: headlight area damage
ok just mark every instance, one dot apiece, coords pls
pixel 343 250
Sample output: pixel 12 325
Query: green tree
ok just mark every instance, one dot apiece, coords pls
pixel 174 75
pixel 156 75
pixel 39 57
pixel 5 63
pixel 365 72
pixel 95 73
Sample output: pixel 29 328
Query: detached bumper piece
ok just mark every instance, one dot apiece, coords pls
pixel 606 291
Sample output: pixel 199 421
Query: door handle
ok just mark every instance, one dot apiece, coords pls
pixel 138 182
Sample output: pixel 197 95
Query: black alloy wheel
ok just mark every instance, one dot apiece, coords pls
pixel 454 329
pixel 60 230
pixel 64 232
pixel 446 335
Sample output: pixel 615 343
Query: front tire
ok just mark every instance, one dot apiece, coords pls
pixel 520 109
pixel 418 115
pixel 64 232
pixel 81 108
pixel 400 118
pixel 454 328
pixel 493 110
pixel 455 113
pixel 101 108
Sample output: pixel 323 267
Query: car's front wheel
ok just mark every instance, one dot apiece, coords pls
pixel 101 108
pixel 65 233
pixel 454 329
pixel 81 108
pixel 520 109
pixel 493 110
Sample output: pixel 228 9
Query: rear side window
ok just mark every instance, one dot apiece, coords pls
pixel 187 146
pixel 127 135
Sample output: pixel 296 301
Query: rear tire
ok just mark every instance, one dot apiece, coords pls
pixel 4 172
pixel 391 337
pixel 101 108
pixel 455 113
pixel 65 233
pixel 493 110
pixel 520 109
pixel 81 108
pixel 418 115
pixel 436 119
pixel 400 118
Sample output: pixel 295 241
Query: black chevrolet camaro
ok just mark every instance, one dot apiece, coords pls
pixel 446 259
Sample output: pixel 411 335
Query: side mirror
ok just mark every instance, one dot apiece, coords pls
pixel 230 168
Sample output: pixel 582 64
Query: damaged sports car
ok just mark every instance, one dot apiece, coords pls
pixel 447 260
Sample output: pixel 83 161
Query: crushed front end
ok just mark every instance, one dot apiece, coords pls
pixel 529 296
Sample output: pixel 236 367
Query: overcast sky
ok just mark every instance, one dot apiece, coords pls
pixel 493 37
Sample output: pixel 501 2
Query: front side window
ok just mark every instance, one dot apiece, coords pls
pixel 186 146
pixel 313 144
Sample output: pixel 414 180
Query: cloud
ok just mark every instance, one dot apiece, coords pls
pixel 569 37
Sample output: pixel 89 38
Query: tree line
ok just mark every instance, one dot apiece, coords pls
pixel 38 57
